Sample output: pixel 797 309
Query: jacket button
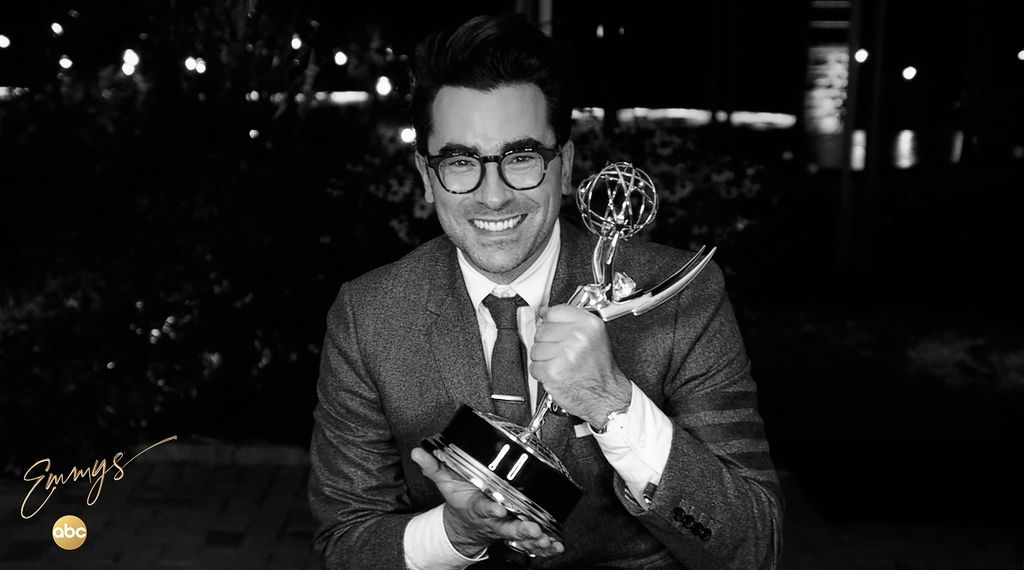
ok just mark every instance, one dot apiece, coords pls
pixel 678 514
pixel 688 521
pixel 705 534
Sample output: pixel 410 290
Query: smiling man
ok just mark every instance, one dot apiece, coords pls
pixel 499 213
pixel 664 433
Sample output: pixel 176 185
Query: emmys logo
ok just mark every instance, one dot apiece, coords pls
pixel 69 532
pixel 39 474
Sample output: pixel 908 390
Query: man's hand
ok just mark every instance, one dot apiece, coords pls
pixel 572 357
pixel 473 521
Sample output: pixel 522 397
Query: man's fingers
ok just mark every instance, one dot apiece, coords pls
pixel 430 466
pixel 484 507
pixel 544 351
pixel 542 547
pixel 563 314
pixel 517 530
pixel 554 332
pixel 528 530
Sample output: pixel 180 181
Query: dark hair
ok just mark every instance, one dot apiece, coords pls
pixel 486 53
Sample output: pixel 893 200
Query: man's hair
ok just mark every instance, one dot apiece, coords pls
pixel 487 53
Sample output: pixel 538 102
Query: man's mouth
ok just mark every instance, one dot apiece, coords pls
pixel 499 225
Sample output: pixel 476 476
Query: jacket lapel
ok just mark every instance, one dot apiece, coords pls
pixel 455 338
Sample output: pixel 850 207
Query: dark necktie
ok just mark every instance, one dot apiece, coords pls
pixel 508 361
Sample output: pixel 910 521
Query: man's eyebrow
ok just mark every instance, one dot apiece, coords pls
pixel 526 142
pixel 518 144
pixel 455 148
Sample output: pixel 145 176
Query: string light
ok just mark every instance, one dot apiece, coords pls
pixel 383 86
pixel 200 66
pixel 57 29
pixel 861 56
pixel 65 62
pixel 190 63
pixel 5 41
pixel 340 58
pixel 408 134
pixel 296 42
pixel 909 72
pixel 1020 54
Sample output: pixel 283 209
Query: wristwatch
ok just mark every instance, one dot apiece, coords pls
pixel 615 421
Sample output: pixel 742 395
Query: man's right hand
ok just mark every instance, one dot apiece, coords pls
pixel 473 521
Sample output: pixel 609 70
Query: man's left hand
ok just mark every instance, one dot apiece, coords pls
pixel 572 357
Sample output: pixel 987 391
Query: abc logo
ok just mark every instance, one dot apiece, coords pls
pixel 69 532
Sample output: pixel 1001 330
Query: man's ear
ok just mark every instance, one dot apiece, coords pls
pixel 567 154
pixel 421 166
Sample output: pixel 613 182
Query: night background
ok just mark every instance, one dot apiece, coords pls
pixel 186 184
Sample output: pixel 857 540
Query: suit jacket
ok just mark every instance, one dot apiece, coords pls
pixel 403 351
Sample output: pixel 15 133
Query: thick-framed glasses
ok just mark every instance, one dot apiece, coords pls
pixel 521 168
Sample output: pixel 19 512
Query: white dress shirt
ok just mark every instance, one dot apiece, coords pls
pixel 638 451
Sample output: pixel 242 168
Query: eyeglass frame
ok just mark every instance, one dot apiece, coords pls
pixel 547 153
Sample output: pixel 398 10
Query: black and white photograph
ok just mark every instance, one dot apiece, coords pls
pixel 508 284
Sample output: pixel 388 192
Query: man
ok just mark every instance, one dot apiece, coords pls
pixel 668 444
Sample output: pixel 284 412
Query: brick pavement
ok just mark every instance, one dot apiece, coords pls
pixel 216 507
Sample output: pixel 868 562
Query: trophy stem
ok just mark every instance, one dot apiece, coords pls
pixel 603 263
pixel 538 419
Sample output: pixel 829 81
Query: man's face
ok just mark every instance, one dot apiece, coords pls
pixel 500 230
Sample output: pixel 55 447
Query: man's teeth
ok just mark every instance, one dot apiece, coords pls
pixel 498 226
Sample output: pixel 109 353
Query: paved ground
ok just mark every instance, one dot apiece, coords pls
pixel 218 507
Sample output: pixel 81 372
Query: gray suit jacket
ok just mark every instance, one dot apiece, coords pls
pixel 403 351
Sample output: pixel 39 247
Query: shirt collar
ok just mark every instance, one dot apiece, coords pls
pixel 533 285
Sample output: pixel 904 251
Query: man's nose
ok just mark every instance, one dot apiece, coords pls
pixel 493 191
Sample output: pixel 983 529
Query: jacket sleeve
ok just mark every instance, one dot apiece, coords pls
pixel 357 490
pixel 718 503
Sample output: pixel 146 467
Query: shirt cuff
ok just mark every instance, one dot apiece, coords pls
pixel 639 451
pixel 427 546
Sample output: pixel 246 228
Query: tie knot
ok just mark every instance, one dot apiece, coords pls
pixel 503 310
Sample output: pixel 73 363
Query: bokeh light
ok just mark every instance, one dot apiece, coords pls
pixel 340 58
pixel 383 86
pixel 408 135
pixel 4 41
pixel 190 63
pixel 65 62
pixel 296 42
pixel 861 56
pixel 909 72
pixel 130 57
pixel 57 29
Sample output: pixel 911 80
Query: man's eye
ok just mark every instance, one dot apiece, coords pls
pixel 461 162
